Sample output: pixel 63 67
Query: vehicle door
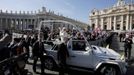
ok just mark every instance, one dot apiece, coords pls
pixel 79 56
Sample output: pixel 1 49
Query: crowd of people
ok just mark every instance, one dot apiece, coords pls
pixel 16 49
pixel 11 46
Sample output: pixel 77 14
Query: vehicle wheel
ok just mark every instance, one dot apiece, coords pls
pixel 49 63
pixel 108 70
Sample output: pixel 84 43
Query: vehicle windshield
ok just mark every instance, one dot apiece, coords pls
pixel 57 31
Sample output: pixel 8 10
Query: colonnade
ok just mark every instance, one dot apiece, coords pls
pixel 17 23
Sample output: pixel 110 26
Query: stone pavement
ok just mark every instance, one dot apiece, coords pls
pixel 29 67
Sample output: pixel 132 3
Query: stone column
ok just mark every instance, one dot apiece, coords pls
pixel 13 22
pixel 9 23
pixel 6 24
pixel 97 22
pixel 23 23
pixel 121 25
pixel 127 22
pixel 102 25
pixel 130 22
pixel 16 24
pixel 114 22
pixel 35 22
pixel 20 24
pixel 27 23
pixel 1 23
pixel 31 21
pixel 110 23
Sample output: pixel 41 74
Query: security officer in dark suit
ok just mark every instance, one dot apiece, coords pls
pixel 128 46
pixel 38 51
pixel 62 55
pixel 4 42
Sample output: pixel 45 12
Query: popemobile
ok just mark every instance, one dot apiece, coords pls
pixel 82 55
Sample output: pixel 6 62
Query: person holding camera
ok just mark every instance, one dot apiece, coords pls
pixel 128 46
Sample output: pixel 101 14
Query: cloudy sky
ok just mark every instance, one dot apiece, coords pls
pixel 76 9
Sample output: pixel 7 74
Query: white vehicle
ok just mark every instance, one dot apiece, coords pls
pixel 86 57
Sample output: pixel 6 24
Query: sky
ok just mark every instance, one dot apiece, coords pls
pixel 75 9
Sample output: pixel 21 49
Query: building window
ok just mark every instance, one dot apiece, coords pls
pixel 118 27
pixel 118 18
pixel 124 27
pixel 105 27
pixel 93 13
pixel 42 19
pixel 93 26
pixel 133 26
pixel 112 27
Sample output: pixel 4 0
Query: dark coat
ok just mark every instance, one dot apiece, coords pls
pixel 62 52
pixel 38 49
pixel 128 43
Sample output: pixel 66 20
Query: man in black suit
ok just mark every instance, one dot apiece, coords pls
pixel 62 55
pixel 128 47
pixel 4 42
pixel 38 51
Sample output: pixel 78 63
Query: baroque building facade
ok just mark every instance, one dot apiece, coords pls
pixel 24 20
pixel 120 17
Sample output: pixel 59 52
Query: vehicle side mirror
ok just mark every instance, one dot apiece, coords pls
pixel 87 48
pixel 94 48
